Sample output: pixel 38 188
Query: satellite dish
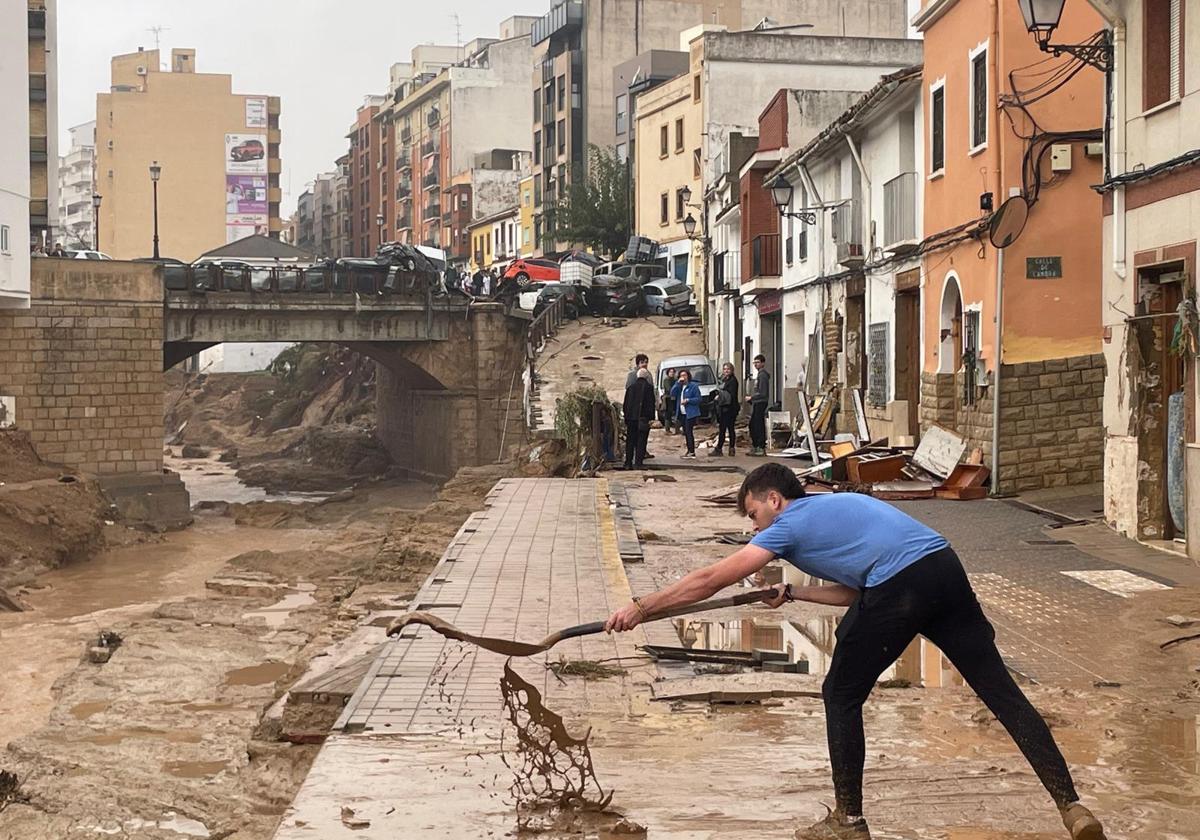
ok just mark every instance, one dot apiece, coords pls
pixel 1008 222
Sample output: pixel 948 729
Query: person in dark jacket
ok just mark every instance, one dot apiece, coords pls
pixel 638 409
pixel 727 410
pixel 758 399
pixel 669 418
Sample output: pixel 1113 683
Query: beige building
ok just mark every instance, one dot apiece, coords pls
pixel 526 242
pixel 667 171
pixel 218 152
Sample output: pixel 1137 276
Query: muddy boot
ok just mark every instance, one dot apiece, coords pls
pixel 1082 823
pixel 835 826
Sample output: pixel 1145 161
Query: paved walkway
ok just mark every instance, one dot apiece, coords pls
pixel 542 556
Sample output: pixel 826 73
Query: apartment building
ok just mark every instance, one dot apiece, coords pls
pixel 366 180
pixel 218 154
pixel 578 44
pixel 850 309
pixel 28 141
pixel 1150 196
pixel 1026 316
pixel 76 189
pixel 495 239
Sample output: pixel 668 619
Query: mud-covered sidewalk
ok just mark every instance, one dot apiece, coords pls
pixel 690 750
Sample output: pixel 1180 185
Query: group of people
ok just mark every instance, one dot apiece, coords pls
pixel 681 402
pixel 57 251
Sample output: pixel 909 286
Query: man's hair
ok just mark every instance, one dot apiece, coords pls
pixel 641 357
pixel 768 477
pixel 760 358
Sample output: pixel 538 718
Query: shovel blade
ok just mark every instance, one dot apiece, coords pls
pixel 505 647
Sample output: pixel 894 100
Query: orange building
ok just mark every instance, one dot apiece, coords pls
pixel 1004 119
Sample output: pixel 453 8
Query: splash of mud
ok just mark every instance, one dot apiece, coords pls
pixel 551 768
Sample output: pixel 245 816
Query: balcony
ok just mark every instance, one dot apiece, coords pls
pixel 432 211
pixel 37 24
pixel 38 149
pixel 568 14
pixel 404 221
pixel 406 136
pixel 900 213
pixel 274 195
pixel 274 136
pixel 847 233
pixel 404 162
pixel 403 190
pixel 274 167
pixel 430 180
pixel 39 212
pixel 765 256
pixel 428 148
pixel 37 87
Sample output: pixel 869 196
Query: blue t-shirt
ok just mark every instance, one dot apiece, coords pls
pixel 848 538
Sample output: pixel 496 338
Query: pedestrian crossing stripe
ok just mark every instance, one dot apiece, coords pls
pixel 1117 581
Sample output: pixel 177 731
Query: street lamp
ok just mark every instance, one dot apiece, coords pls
pixel 689 225
pixel 379 220
pixel 686 194
pixel 781 196
pixel 155 174
pixel 1041 19
pixel 96 219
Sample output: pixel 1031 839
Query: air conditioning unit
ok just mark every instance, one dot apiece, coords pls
pixel 141 69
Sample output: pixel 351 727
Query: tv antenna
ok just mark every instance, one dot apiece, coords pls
pixel 457 29
pixel 157 31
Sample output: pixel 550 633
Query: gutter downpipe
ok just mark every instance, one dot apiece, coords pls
pixel 995 53
pixel 1118 149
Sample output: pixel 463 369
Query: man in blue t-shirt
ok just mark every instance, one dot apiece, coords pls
pixel 898 578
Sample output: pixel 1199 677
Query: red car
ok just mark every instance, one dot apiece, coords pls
pixel 523 271
pixel 249 150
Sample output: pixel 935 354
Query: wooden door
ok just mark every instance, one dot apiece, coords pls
pixel 908 355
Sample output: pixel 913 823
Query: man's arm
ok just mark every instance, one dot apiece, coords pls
pixel 835 594
pixel 696 586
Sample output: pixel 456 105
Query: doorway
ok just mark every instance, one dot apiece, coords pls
pixel 907 353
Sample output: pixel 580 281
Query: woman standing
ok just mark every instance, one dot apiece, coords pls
pixel 687 397
pixel 727 410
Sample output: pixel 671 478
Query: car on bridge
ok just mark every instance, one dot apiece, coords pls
pixel 523 271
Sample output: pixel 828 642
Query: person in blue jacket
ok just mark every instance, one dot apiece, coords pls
pixel 686 395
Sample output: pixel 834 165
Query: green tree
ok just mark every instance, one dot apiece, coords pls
pixel 594 211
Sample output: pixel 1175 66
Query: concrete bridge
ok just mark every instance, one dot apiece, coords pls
pixel 83 366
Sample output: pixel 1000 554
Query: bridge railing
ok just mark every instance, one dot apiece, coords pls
pixel 383 280
pixel 543 328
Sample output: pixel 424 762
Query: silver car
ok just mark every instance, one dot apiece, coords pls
pixel 665 296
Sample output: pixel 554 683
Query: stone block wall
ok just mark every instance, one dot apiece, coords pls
pixel 84 365
pixel 1051 420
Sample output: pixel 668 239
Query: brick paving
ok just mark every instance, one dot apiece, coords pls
pixel 541 556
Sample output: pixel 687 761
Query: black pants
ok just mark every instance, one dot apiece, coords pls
pixel 635 441
pixel 669 415
pixel 758 425
pixel 689 424
pixel 934 598
pixel 726 418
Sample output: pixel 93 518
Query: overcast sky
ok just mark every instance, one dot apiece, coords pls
pixel 320 56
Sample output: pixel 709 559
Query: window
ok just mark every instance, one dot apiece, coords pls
pixel 802 237
pixel 937 129
pixel 696 88
pixel 4 239
pixel 1162 52
pixel 979 98
pixel 680 208
pixel 622 152
pixel 663 140
pixel 562 137
pixel 622 106
pixel 537 106
pixel 679 135
pixel 664 208
pixel 695 163
pixel 562 92
pixel 537 146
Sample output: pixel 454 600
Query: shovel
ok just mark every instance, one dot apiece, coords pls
pixel 508 647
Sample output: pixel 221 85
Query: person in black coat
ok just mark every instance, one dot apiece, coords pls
pixel 727 410
pixel 639 411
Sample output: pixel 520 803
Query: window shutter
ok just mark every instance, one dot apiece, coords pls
pixel 1176 42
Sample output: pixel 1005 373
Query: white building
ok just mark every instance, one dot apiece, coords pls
pixel 28 140
pixel 850 303
pixel 76 216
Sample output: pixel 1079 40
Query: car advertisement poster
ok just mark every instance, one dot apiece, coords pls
pixel 246 154
pixel 246 195
pixel 256 112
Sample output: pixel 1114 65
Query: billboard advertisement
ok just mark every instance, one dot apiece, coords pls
pixel 256 112
pixel 246 154
pixel 245 195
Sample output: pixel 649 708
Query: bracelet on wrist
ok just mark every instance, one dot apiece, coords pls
pixel 637 602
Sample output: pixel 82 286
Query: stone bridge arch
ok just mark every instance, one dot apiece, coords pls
pixel 442 403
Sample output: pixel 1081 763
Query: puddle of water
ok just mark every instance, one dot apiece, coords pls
pixel 83 711
pixel 276 614
pixel 268 672
pixel 209 480
pixel 194 769
pixel 116 736
pixel 208 707
pixel 811 643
